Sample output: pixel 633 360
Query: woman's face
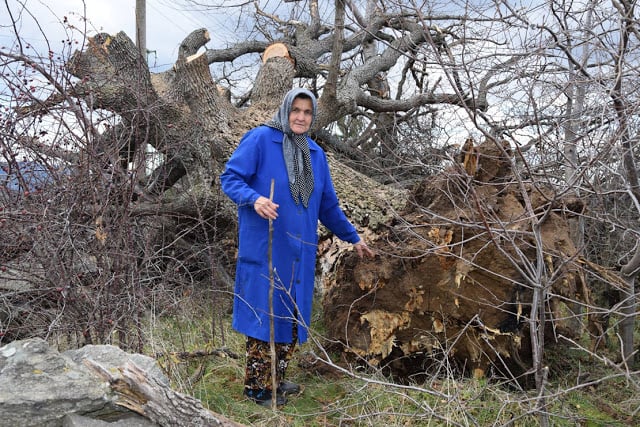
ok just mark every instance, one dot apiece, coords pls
pixel 301 115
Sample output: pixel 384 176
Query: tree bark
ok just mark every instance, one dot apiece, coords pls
pixel 627 324
pixel 156 402
pixel 627 142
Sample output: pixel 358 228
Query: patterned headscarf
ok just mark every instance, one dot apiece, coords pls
pixel 295 148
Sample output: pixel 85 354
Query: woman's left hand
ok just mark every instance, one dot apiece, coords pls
pixel 363 250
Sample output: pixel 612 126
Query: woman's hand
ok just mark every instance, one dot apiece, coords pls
pixel 266 208
pixel 363 250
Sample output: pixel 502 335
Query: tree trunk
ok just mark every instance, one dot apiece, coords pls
pixel 628 310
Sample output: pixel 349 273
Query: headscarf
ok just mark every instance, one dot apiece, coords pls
pixel 295 148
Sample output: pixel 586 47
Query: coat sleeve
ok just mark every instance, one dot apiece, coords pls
pixel 240 170
pixel 331 214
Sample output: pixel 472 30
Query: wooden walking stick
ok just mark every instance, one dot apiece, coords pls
pixel 272 339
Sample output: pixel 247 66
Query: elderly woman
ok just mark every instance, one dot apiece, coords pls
pixel 282 152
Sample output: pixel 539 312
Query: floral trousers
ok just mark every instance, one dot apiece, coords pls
pixel 258 368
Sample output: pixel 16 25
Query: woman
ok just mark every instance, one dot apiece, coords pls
pixel 282 152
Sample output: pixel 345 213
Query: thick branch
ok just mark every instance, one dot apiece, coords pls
pixel 194 82
pixel 632 267
pixel 331 86
pixel 389 105
pixel 165 176
pixel 157 402
pixel 193 42
pixel 112 70
pixel 237 50
pixel 273 81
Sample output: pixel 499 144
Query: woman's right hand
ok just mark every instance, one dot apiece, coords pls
pixel 266 208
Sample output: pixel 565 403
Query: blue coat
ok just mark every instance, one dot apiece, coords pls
pixel 248 174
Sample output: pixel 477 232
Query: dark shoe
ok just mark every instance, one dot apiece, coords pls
pixel 263 397
pixel 287 387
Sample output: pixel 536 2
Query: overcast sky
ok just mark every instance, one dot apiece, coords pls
pixel 168 22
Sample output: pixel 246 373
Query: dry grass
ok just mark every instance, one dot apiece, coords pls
pixel 365 397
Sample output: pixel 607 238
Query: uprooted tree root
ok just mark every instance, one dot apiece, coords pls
pixel 453 277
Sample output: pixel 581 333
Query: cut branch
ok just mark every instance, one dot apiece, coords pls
pixel 154 401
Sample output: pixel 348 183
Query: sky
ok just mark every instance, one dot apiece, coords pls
pixel 168 23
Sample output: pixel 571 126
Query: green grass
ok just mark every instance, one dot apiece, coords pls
pixel 367 398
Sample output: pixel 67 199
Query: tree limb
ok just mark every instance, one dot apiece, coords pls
pixel 156 402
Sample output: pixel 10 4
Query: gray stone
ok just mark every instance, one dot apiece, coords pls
pixel 41 387
pixel 74 420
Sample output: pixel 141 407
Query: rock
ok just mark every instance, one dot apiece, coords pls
pixel 40 386
pixel 74 420
pixel 94 386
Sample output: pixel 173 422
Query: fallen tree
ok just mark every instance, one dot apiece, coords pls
pixel 463 256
